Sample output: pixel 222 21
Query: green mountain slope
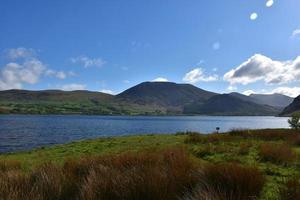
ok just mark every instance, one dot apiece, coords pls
pixel 293 107
pixel 276 100
pixel 169 95
pixel 226 104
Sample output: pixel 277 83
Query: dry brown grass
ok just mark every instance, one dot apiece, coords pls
pixel 152 175
pixel 166 174
pixel 291 189
pixel 6 165
pixel 288 135
pixel 228 182
pixel 277 153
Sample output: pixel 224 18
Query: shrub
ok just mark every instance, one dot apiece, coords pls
pixel 294 121
pixel 291 189
pixel 228 182
pixel 277 153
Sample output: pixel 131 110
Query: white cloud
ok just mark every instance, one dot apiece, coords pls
pixel 197 75
pixel 296 33
pixel 14 75
pixel 88 62
pixel 260 67
pixel 57 74
pixel 289 91
pixel 160 79
pixel 231 88
pixel 248 92
pixel 73 86
pixel 216 46
pixel 253 16
pixel 269 3
pixel 20 52
pixel 25 68
pixel 107 91
pixel 126 81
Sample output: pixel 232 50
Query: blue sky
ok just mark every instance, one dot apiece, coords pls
pixel 112 45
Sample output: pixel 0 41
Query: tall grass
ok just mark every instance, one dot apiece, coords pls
pixel 160 175
pixel 277 153
pixel 228 182
pixel 157 175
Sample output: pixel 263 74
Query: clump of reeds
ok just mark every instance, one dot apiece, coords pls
pixel 228 182
pixel 277 153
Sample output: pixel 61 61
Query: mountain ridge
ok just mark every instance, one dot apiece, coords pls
pixel 146 98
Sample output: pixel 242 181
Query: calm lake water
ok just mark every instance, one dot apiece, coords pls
pixel 24 132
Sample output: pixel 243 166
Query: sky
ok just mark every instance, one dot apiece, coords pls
pixel 246 46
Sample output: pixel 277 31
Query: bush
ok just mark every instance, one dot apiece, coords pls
pixel 228 182
pixel 294 121
pixel 277 153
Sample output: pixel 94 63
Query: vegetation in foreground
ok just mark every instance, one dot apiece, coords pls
pixel 241 164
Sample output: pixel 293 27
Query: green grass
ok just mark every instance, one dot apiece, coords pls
pixel 241 147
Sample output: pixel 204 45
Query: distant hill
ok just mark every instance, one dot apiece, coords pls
pixel 52 96
pixel 165 94
pixel 293 107
pixel 276 100
pixel 148 98
pixel 228 104
pixel 54 102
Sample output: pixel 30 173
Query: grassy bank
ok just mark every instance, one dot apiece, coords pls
pixel 257 164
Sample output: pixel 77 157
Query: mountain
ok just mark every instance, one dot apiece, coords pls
pixel 228 104
pixel 147 98
pixel 275 100
pixel 293 107
pixel 169 95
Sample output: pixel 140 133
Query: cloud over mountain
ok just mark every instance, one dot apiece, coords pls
pixel 260 67
pixel 197 75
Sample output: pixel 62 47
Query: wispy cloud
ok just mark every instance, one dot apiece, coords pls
pixel 260 67
pixel 288 91
pixel 88 62
pixel 296 33
pixel 57 74
pixel 216 46
pixel 231 88
pixel 197 75
pixel 73 86
pixel 107 91
pixel 20 52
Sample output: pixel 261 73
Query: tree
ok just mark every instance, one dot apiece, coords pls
pixel 294 121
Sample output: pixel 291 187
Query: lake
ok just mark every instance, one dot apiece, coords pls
pixel 24 132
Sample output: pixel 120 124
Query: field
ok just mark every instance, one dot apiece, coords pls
pixel 240 164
